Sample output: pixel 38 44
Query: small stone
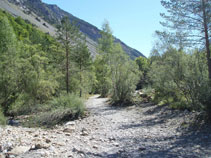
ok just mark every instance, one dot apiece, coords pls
pixel 112 139
pixel 142 149
pixel 58 132
pixel 67 134
pixel 59 144
pixel 69 130
pixel 116 144
pixel 47 140
pixel 71 123
pixel 95 147
pixel 39 146
pixel 30 132
pixel 102 140
pixel 75 149
pixel 84 132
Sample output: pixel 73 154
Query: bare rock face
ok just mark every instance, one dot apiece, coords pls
pixel 53 15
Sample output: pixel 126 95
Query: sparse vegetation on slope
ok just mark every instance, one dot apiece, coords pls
pixel 33 71
pixel 53 15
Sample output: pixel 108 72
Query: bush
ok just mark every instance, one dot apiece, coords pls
pixel 124 83
pixel 2 118
pixel 25 105
pixel 69 101
pixel 124 76
pixel 53 117
pixel 63 109
pixel 181 80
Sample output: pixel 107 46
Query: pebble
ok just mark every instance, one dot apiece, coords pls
pixel 69 130
pixel 111 132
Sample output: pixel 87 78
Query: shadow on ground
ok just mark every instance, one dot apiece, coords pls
pixel 189 143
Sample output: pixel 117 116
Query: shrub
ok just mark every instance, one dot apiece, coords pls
pixel 25 105
pixel 181 80
pixel 69 101
pixel 124 76
pixel 63 108
pixel 2 118
pixel 54 117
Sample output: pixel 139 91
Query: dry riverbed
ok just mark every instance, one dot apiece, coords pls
pixel 145 130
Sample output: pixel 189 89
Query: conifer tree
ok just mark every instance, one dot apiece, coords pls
pixel 82 59
pixel 191 21
pixel 67 35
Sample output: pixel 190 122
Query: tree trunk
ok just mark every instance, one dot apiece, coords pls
pixel 80 81
pixel 67 70
pixel 206 38
pixel 67 65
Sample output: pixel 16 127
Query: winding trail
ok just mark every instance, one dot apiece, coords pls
pixel 145 131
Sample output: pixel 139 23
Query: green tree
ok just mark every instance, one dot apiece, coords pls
pixel 143 65
pixel 67 35
pixel 116 74
pixel 82 59
pixel 191 21
pixel 8 58
pixel 180 79
pixel 124 75
pixel 103 63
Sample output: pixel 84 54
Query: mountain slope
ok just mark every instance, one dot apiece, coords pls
pixel 50 15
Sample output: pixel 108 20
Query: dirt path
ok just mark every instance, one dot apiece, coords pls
pixel 109 132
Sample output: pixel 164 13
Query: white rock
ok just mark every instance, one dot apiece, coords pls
pixel 20 150
pixel 71 123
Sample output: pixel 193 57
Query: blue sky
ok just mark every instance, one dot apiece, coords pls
pixel 132 21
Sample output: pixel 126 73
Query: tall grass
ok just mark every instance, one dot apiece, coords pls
pixel 62 109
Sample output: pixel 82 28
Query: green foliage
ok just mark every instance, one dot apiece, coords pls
pixel 143 65
pixel 27 77
pixel 8 58
pixel 103 62
pixel 64 108
pixel 116 74
pixel 124 76
pixel 69 101
pixel 74 45
pixel 82 61
pixel 103 80
pixel 52 118
pixel 2 118
pixel 26 105
pixel 181 80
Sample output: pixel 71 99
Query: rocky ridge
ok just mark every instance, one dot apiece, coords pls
pixel 51 15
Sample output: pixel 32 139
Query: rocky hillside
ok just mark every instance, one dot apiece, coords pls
pixel 51 15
